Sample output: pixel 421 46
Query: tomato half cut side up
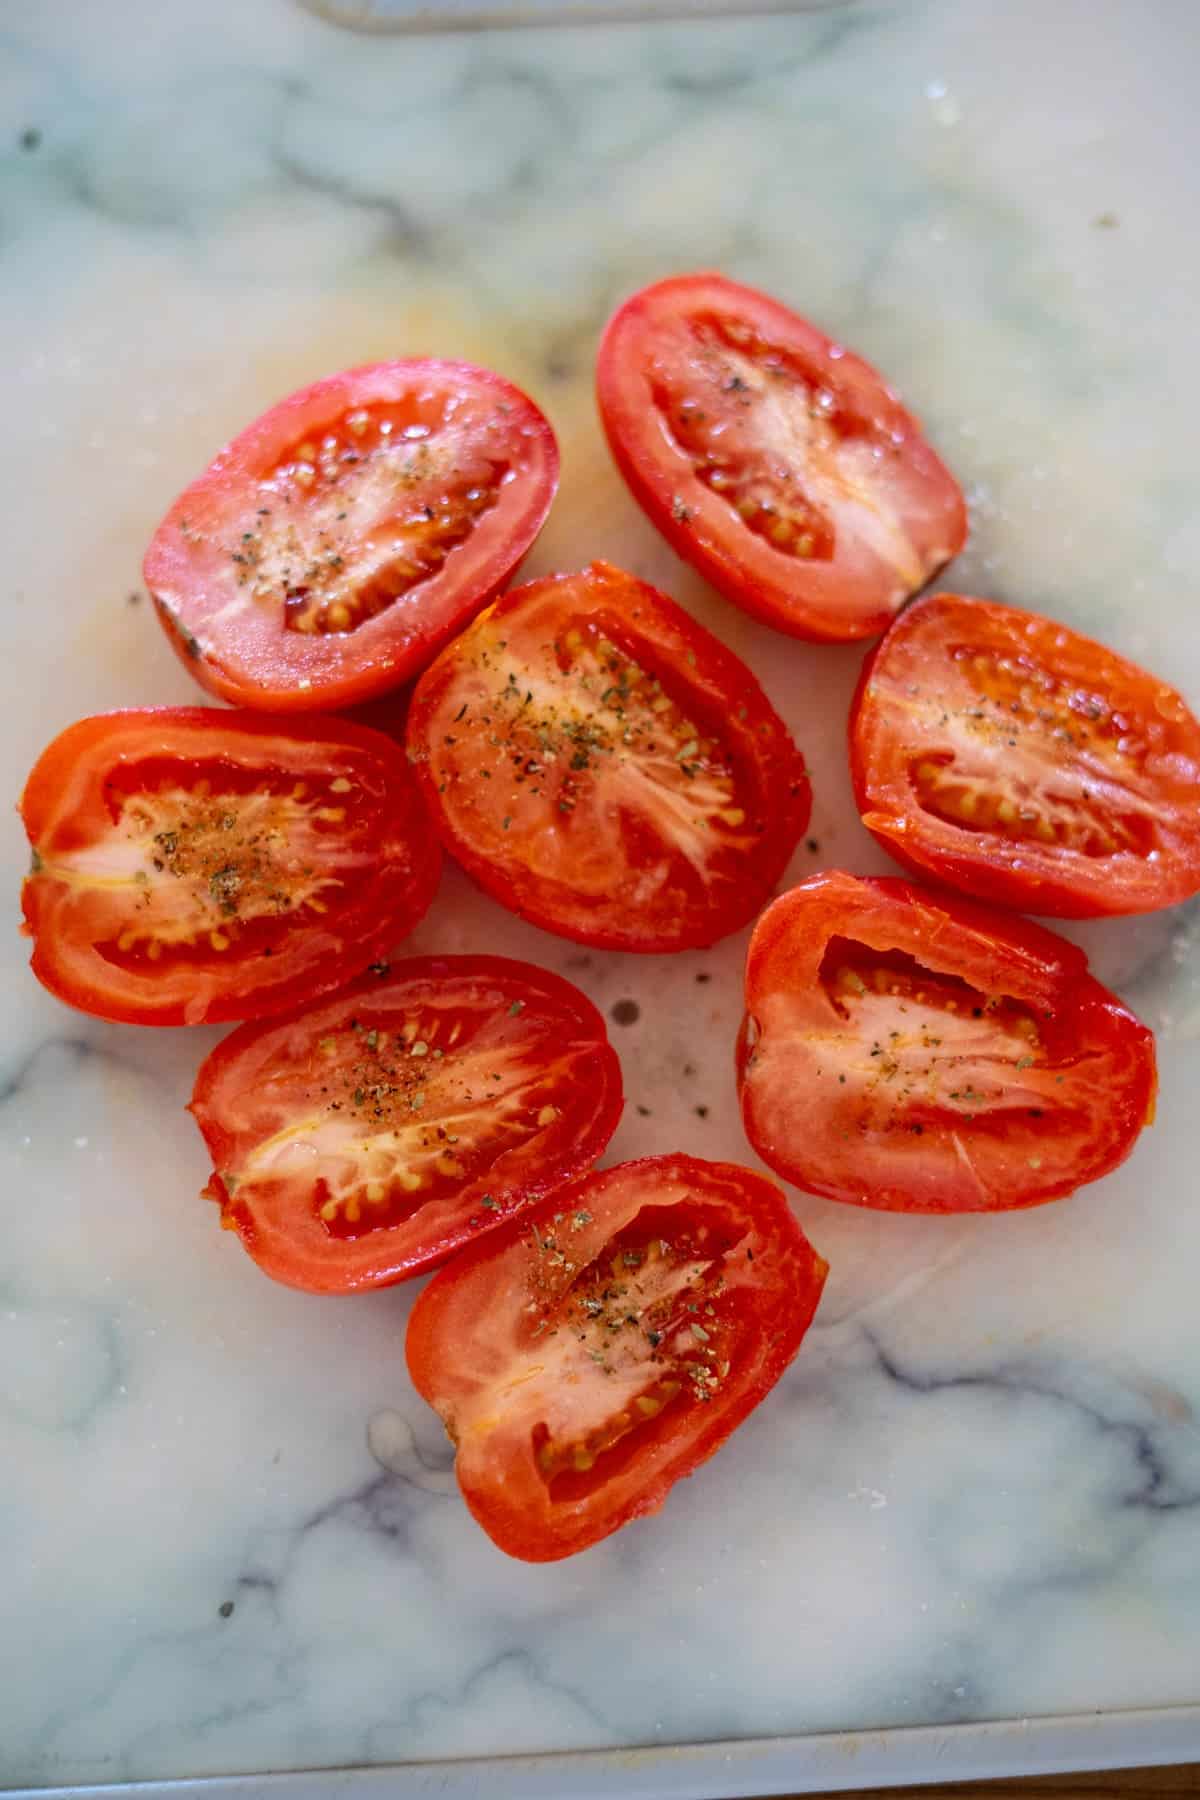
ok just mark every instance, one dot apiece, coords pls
pixel 597 1350
pixel 906 1050
pixel 337 543
pixel 365 1140
pixel 195 865
pixel 600 764
pixel 774 460
pixel 1011 757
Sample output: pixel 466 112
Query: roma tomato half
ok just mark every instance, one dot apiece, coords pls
pixel 339 541
pixel 369 1137
pixel 905 1050
pixel 599 1348
pixel 603 766
pixel 1025 764
pixel 195 865
pixel 774 460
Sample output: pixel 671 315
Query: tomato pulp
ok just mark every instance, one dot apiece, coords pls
pixel 1013 758
pixel 774 460
pixel 336 544
pixel 603 766
pixel 905 1050
pixel 599 1348
pixel 191 864
pixel 367 1138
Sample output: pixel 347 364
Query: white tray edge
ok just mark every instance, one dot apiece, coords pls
pixel 825 1762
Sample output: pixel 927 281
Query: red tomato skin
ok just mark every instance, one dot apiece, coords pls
pixel 1028 876
pixel 409 870
pixel 273 670
pixel 287 1241
pixel 510 1503
pixel 722 681
pixel 995 953
pixel 820 602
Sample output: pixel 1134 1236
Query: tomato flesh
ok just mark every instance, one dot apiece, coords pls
pixel 366 1139
pixel 908 1051
pixel 773 459
pixel 339 541
pixel 605 767
pixel 590 1355
pixel 192 865
pixel 1013 758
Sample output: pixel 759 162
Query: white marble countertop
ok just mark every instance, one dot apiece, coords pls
pixel 231 1541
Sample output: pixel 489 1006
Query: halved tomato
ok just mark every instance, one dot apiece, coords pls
pixel 905 1050
pixel 774 460
pixel 331 549
pixel 1026 764
pixel 600 1347
pixel 366 1139
pixel 191 864
pixel 603 766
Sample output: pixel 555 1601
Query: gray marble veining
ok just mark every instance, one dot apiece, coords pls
pixel 231 1540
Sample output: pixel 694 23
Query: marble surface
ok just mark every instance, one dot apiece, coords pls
pixel 230 1536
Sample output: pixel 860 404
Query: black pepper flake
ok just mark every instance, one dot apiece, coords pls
pixel 625 1012
pixel 30 138
pixel 225 1610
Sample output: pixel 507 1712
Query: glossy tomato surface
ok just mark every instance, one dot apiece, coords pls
pixel 369 1137
pixel 603 766
pixel 336 544
pixel 905 1050
pixel 591 1354
pixel 1013 758
pixel 773 459
pixel 192 864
